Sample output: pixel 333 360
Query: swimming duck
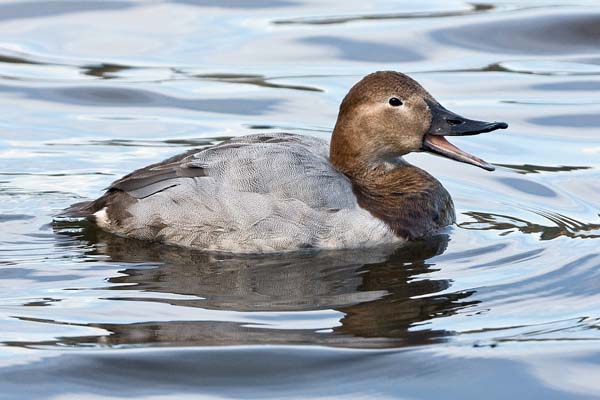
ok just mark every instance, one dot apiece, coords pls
pixel 279 191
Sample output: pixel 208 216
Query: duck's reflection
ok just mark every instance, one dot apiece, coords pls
pixel 561 225
pixel 385 295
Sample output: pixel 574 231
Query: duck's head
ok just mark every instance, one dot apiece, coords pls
pixel 388 114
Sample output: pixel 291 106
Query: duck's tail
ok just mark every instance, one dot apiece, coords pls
pixel 84 209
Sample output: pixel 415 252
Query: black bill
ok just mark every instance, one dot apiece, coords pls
pixel 447 123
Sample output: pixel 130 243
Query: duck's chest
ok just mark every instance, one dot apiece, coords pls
pixel 410 211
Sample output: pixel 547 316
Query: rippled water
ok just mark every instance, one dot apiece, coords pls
pixel 505 304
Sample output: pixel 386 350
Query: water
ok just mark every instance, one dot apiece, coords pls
pixel 503 305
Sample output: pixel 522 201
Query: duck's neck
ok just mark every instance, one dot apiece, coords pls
pixel 409 200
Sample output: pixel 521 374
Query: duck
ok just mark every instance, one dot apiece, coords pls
pixel 280 192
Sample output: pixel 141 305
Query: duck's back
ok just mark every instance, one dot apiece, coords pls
pixel 268 192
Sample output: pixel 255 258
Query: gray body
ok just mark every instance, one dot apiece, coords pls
pixel 257 193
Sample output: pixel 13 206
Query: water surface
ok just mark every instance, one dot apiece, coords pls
pixel 504 304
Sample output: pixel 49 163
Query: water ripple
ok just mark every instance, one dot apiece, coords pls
pixel 561 225
pixel 131 97
pixel 566 33
pixel 341 19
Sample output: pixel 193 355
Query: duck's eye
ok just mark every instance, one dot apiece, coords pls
pixel 395 102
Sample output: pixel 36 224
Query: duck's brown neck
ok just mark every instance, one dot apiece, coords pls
pixel 411 201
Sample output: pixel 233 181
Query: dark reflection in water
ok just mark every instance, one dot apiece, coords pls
pixel 540 34
pixel 536 169
pixel 385 295
pixel 103 70
pixel 330 20
pixel 562 225
pixel 258 80
pixel 511 69
pixel 108 71
pixel 15 60
pixel 366 51
pixel 129 97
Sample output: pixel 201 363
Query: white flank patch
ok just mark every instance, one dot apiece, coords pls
pixel 102 218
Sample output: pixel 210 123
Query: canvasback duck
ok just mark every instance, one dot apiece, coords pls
pixel 280 192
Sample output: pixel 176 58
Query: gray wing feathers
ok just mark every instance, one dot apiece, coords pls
pixel 253 193
pixel 292 166
pixel 283 170
pixel 157 177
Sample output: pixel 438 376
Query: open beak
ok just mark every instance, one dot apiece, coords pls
pixel 447 123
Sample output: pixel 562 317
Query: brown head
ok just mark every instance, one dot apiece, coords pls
pixel 387 115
